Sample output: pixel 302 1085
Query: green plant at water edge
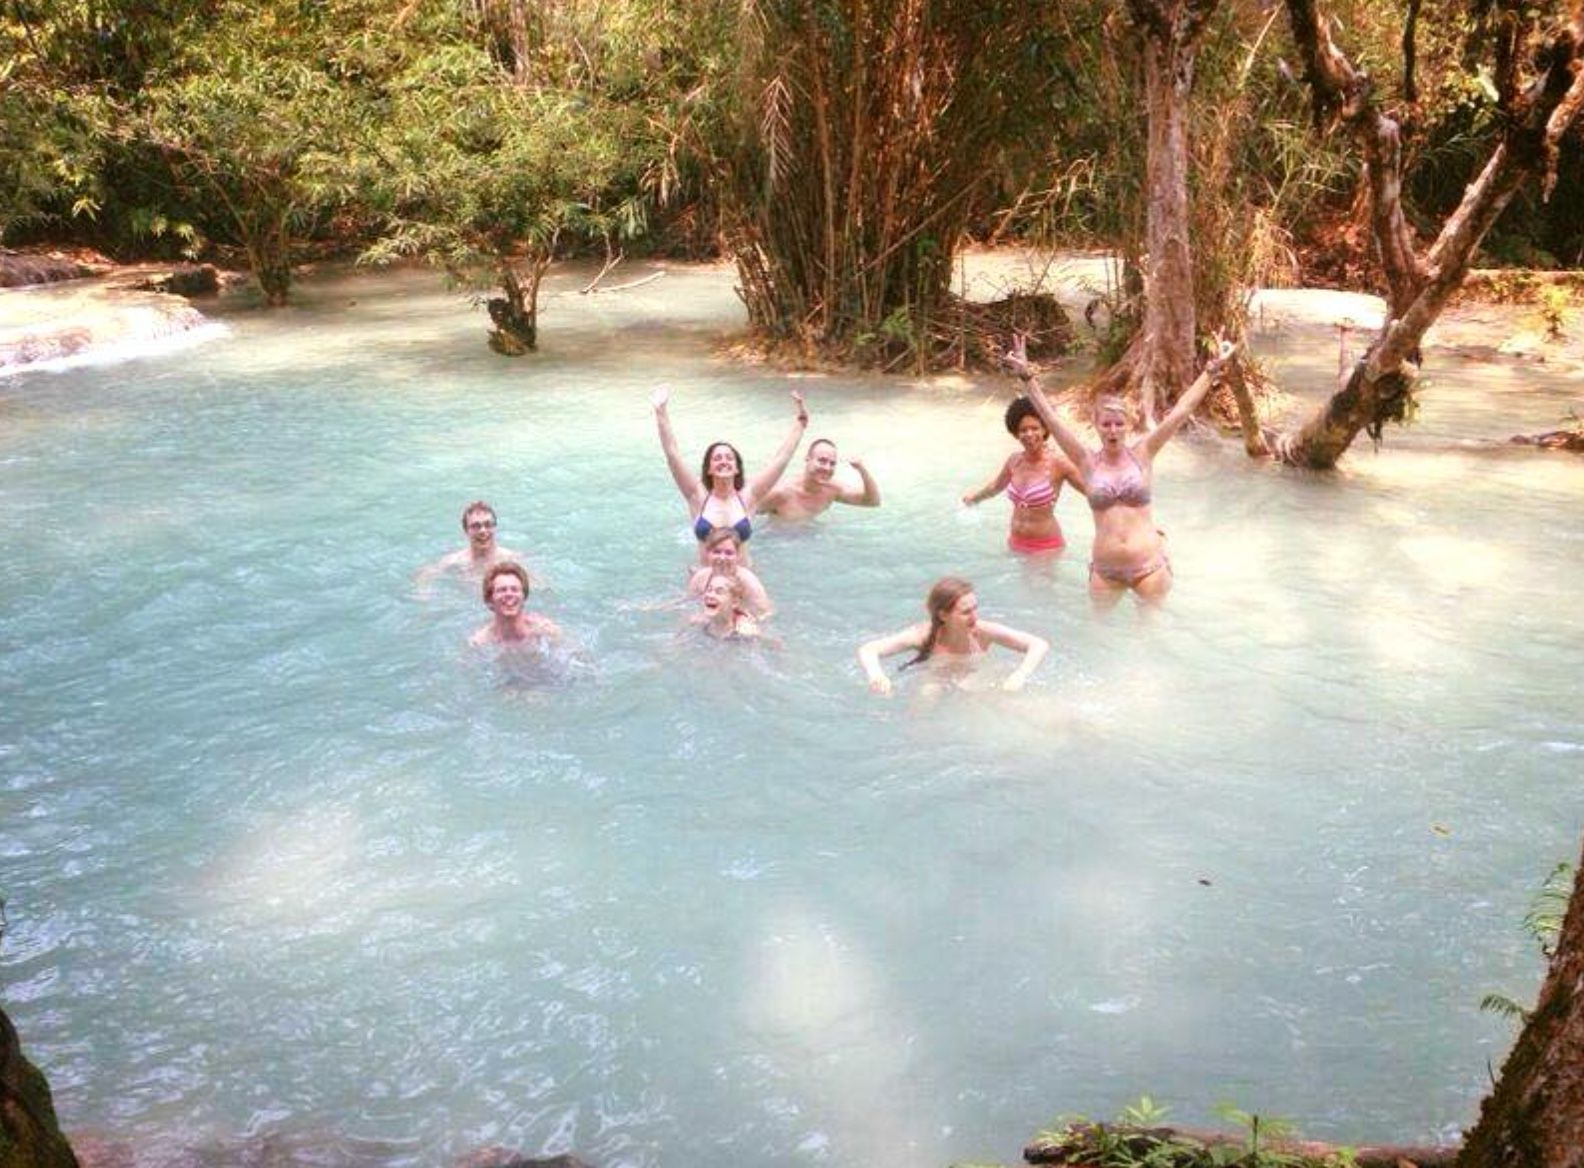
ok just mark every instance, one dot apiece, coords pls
pixel 1543 922
pixel 1137 1140
pixel 1555 308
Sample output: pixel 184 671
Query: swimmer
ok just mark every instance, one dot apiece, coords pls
pixel 817 489
pixel 717 496
pixel 481 553
pixel 953 636
pixel 1129 551
pixel 723 549
pixel 505 592
pixel 721 613
pixel 1033 479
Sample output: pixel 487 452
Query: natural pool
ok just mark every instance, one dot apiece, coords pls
pixel 284 862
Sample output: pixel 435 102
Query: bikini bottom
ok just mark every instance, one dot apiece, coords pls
pixel 1033 545
pixel 1129 577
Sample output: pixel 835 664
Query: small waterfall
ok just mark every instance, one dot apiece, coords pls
pixel 61 326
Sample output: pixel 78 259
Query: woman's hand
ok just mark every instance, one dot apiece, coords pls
pixel 880 685
pixel 1016 358
pixel 659 398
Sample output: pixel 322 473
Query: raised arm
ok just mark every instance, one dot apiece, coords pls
pixel 1033 649
pixel 759 486
pixel 994 487
pixel 687 482
pixel 1065 472
pixel 1189 401
pixel 869 496
pixel 870 653
pixel 1016 359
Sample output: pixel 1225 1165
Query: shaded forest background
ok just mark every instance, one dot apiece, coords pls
pixel 840 151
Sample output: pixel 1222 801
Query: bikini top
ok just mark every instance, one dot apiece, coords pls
pixel 1128 488
pixel 1038 494
pixel 743 527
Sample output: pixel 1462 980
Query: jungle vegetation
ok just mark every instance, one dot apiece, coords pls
pixel 841 153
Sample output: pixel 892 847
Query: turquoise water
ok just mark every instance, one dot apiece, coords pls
pixel 286 863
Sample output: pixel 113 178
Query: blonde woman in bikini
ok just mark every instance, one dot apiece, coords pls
pixel 1129 552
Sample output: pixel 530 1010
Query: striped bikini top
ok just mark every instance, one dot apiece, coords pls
pixel 1037 494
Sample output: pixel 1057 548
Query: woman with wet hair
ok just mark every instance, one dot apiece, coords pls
pixel 723 556
pixel 1129 550
pixel 721 613
pixel 1032 478
pixel 721 495
pixel 953 637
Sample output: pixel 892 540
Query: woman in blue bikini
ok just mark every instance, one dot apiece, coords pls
pixel 1129 551
pixel 717 496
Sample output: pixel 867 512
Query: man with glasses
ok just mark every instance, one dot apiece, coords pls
pixel 481 553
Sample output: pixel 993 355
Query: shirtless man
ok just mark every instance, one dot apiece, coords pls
pixel 481 554
pixel 505 592
pixel 816 489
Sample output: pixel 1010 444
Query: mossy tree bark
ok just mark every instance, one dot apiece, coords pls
pixel 1536 112
pixel 30 1137
pixel 1535 1116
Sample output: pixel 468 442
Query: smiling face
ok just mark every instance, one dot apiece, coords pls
pixel 506 595
pixel 1031 433
pixel 719 593
pixel 821 461
pixel 479 523
pixel 724 556
pixel 721 463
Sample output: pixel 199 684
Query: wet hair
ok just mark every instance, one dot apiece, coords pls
pixel 476 506
pixel 508 568
pixel 734 587
pixel 721 535
pixel 1019 409
pixel 943 597
pixel 704 470
pixel 1110 401
pixel 819 442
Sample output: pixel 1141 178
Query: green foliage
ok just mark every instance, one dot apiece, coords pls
pixel 1543 922
pixel 254 126
pixel 1556 304
pixel 1138 1140
pixel 870 134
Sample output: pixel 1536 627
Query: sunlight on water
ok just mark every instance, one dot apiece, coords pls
pixel 290 868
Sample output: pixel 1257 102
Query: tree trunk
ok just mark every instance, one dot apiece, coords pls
pixel 1534 1118
pixel 1161 361
pixel 515 315
pixel 1418 288
pixel 29 1134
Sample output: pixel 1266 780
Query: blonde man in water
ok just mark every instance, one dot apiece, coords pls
pixel 1129 550
pixel 816 488
pixel 505 591
pixel 953 638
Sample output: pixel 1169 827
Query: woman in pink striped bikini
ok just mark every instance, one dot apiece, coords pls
pixel 1032 478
